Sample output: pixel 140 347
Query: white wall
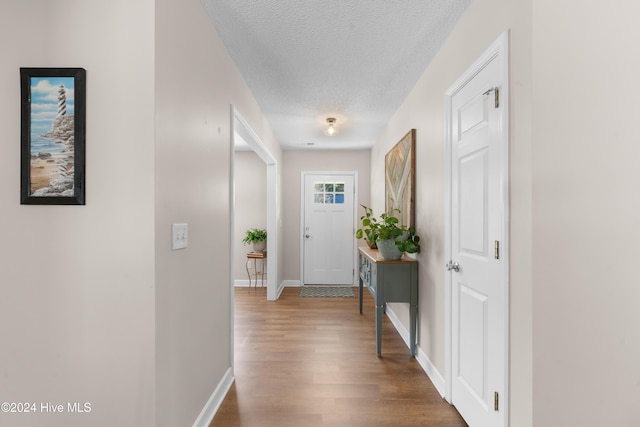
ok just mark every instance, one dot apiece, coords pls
pixel 423 110
pixel 294 163
pixel 77 282
pixel 251 205
pixel 586 213
pixel 196 82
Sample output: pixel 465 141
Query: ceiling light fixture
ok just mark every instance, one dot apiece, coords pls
pixel 331 122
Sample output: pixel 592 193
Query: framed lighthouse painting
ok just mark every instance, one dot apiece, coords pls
pixel 53 116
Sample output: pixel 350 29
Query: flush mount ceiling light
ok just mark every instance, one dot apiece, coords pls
pixel 331 122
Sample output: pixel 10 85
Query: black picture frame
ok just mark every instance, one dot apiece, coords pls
pixel 53 122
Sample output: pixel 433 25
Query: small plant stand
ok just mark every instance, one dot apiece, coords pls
pixel 252 261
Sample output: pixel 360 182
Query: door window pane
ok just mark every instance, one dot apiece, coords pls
pixel 328 192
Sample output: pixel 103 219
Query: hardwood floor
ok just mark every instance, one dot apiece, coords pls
pixel 311 362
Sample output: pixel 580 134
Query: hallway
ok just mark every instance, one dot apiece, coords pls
pixel 311 362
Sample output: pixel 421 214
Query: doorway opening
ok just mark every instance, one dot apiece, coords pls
pixel 243 135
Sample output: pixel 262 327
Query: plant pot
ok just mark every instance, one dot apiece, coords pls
pixel 372 245
pixel 389 250
pixel 259 246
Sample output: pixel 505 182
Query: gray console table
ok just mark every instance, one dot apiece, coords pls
pixel 389 281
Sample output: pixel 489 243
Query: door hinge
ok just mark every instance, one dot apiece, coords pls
pixel 496 250
pixel 495 401
pixel 496 94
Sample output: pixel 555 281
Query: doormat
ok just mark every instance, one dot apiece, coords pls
pixel 327 292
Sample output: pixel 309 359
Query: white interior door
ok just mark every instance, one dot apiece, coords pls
pixel 478 247
pixel 328 232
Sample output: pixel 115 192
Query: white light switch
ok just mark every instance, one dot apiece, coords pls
pixel 179 236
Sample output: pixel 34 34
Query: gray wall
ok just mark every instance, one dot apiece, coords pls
pixel 77 312
pixel 586 211
pixel 95 306
pixel 573 210
pixel 196 82
pixel 423 110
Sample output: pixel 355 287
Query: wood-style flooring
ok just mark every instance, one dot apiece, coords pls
pixel 311 362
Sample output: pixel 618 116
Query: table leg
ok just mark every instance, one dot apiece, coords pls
pixel 379 314
pixel 360 288
pixel 413 317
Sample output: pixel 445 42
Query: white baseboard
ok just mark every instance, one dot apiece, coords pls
pixel 239 283
pixel 436 378
pixel 291 283
pixel 287 284
pixel 214 402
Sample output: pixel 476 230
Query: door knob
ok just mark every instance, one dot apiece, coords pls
pixel 453 265
pixel 306 235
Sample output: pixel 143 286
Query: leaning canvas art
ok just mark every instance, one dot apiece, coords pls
pixel 53 136
pixel 400 179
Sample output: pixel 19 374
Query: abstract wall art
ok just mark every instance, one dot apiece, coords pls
pixel 400 164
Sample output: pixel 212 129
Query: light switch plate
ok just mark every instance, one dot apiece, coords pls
pixel 179 236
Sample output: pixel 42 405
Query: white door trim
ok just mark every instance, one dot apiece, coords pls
pixel 303 174
pixel 240 126
pixel 499 48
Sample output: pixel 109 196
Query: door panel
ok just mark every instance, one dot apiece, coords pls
pixel 472 180
pixel 472 359
pixel 328 229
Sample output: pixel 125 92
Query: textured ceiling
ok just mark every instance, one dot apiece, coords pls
pixel 355 60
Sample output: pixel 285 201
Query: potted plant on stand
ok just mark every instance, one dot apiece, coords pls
pixel 257 237
pixel 393 240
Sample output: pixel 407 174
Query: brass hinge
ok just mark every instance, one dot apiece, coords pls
pixel 496 94
pixel 496 250
pixel 495 401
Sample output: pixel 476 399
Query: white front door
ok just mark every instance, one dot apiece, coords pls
pixel 478 245
pixel 328 234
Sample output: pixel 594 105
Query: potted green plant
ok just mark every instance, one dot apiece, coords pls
pixel 370 228
pixel 257 237
pixel 392 239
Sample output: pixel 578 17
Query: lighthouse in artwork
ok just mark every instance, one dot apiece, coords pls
pixel 62 101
